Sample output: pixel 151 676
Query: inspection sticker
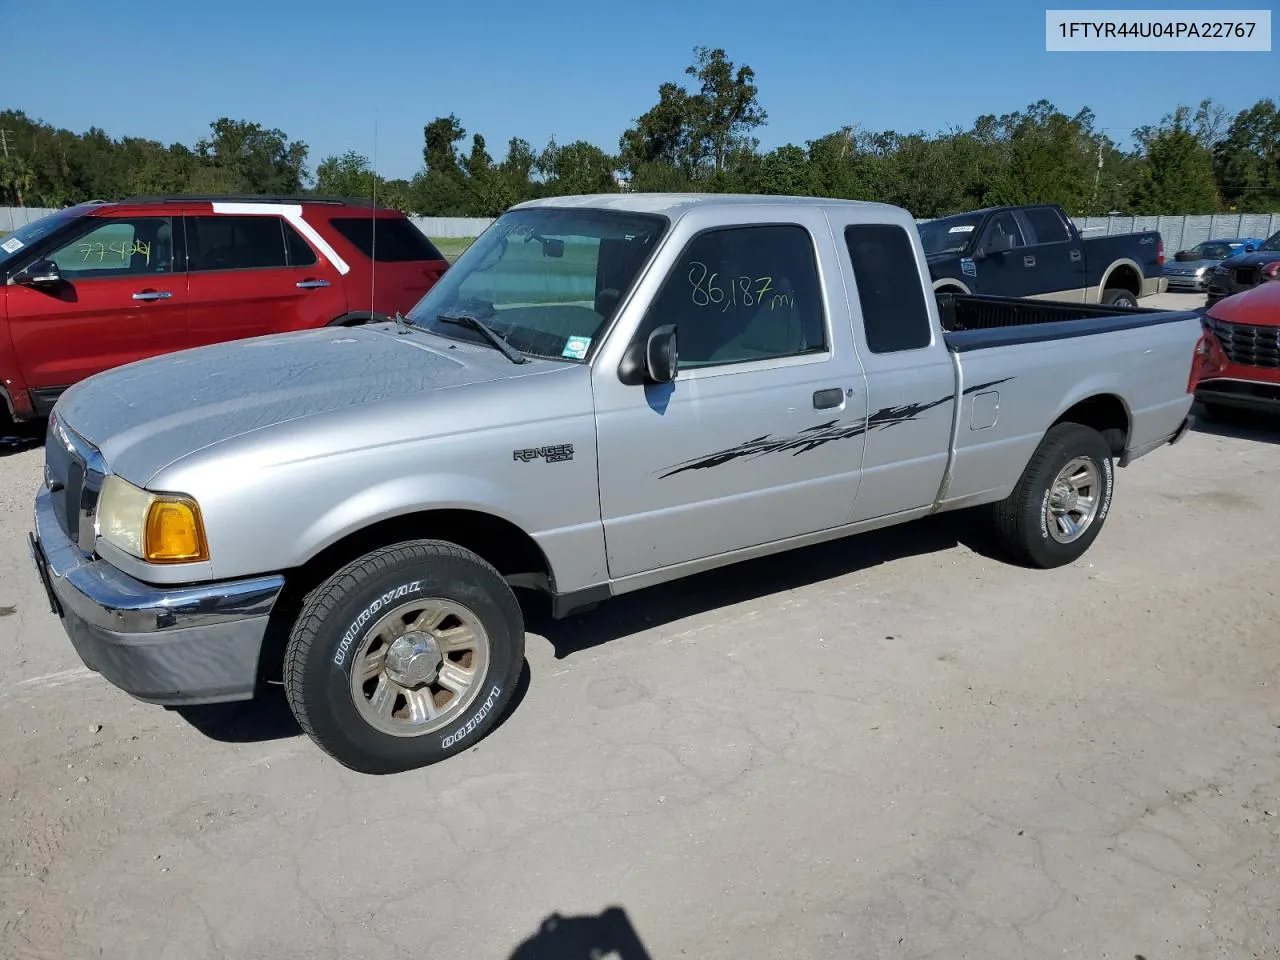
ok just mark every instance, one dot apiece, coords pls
pixel 12 245
pixel 575 348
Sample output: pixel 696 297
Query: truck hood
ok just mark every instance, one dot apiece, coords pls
pixel 1258 258
pixel 1182 267
pixel 144 415
pixel 1258 306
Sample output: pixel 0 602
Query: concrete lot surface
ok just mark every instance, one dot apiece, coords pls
pixel 892 747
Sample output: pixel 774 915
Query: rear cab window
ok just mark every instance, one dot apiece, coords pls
pixel 1046 226
pixel 386 239
pixel 895 316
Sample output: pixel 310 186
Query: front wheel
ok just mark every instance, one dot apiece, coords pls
pixel 1062 499
pixel 404 657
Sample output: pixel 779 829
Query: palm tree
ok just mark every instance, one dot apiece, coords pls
pixel 15 178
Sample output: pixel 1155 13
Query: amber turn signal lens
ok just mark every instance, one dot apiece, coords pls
pixel 175 532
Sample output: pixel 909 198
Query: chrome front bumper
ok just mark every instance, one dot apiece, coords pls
pixel 166 645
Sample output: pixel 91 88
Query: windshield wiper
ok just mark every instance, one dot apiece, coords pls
pixel 486 331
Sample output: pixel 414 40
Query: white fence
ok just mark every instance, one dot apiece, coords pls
pixel 1179 233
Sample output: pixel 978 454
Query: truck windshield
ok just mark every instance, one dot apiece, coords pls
pixel 545 279
pixel 29 233
pixel 1206 251
pixel 948 235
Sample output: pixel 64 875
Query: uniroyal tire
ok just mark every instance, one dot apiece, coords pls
pixel 446 599
pixel 1027 522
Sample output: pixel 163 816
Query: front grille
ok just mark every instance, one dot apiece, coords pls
pixel 1248 345
pixel 1247 276
pixel 73 472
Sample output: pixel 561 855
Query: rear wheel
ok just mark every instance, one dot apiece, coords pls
pixel 405 656
pixel 1116 297
pixel 1062 499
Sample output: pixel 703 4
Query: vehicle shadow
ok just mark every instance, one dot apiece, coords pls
pixel 267 717
pixel 588 937
pixel 1243 425
pixel 19 437
pixel 754 580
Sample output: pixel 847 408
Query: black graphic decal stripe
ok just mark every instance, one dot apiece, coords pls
pixel 813 437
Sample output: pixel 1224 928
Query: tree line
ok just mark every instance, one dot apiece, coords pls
pixel 700 135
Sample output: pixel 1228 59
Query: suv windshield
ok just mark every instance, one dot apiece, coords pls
pixel 29 233
pixel 1272 244
pixel 545 279
pixel 948 235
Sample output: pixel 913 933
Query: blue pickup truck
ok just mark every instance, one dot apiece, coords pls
pixel 1036 251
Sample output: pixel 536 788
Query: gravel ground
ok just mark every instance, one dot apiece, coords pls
pixel 895 746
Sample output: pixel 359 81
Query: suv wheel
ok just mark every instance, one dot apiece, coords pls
pixel 405 656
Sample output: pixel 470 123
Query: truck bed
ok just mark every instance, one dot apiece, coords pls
pixel 973 322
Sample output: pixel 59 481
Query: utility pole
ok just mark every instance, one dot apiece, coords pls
pixel 1097 177
pixel 4 142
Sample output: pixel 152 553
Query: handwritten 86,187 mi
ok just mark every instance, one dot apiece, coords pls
pixel 742 291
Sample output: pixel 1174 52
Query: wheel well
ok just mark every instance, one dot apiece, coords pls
pixel 512 552
pixel 1124 277
pixel 1105 413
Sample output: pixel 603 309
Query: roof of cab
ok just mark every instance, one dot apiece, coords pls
pixel 110 207
pixel 675 204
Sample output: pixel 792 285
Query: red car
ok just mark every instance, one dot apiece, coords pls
pixel 103 284
pixel 1240 369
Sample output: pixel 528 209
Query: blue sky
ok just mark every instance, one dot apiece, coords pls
pixel 575 69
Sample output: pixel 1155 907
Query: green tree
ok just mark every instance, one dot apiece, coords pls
pixel 1247 159
pixel 256 159
pixel 726 107
pixel 16 178
pixel 1177 177
pixel 576 168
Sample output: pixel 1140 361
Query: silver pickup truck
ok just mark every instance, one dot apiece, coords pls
pixel 602 394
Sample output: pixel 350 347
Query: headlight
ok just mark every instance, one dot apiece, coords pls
pixel 158 528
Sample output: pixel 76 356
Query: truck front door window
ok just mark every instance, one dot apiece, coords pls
pixel 742 294
pixel 1001 235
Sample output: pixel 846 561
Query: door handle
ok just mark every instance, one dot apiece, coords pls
pixel 1028 261
pixel 312 284
pixel 826 399
pixel 152 295
pixel 1075 256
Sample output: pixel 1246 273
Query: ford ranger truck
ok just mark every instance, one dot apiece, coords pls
pixel 1036 251
pixel 603 394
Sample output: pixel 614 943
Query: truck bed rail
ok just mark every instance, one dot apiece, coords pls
pixel 961 311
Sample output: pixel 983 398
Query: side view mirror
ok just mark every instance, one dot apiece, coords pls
pixel 39 273
pixel 661 356
pixel 652 360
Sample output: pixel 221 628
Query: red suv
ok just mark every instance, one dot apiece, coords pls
pixel 1241 367
pixel 104 284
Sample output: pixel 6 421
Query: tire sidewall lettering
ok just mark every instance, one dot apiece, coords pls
pixel 358 626
pixel 476 719
pixel 1108 472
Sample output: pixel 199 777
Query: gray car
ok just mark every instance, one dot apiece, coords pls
pixel 1189 270
pixel 603 394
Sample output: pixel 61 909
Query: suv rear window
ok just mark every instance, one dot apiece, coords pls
pixel 397 240
pixel 228 242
